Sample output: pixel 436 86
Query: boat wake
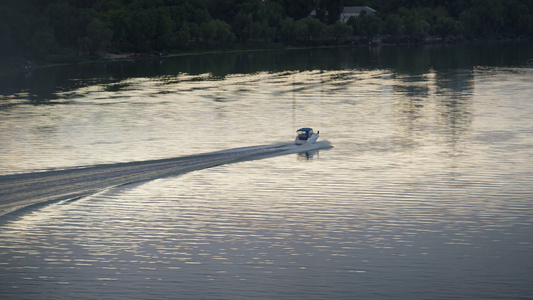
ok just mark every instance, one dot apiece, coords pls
pixel 22 190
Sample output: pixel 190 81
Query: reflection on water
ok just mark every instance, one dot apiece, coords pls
pixel 41 85
pixel 427 193
pixel 308 155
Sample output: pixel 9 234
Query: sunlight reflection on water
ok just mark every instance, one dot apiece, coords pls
pixel 426 193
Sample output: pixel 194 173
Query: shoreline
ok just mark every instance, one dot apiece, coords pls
pixel 70 58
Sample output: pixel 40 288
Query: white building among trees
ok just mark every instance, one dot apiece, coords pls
pixel 354 11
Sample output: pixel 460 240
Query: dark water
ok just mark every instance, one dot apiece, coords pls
pixel 427 193
pixel 42 85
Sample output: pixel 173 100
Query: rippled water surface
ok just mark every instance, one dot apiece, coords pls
pixel 427 193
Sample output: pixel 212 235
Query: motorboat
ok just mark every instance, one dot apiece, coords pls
pixel 305 135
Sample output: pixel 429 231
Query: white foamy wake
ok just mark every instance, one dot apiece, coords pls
pixel 21 190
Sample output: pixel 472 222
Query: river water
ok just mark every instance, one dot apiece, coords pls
pixel 427 192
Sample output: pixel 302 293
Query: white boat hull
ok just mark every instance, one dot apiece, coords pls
pixel 310 140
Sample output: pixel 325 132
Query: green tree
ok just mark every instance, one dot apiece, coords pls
pixel 164 23
pixel 301 33
pixel 63 17
pixel 339 31
pixel 288 30
pixel 518 18
pixel 40 27
pixel 491 16
pixel 217 30
pixel 98 36
pixel 369 25
pixel 143 29
pixel 453 7
pixel 315 28
pixel 262 31
pixel 417 29
pixel 484 19
pixel 208 30
pixel 242 26
pixel 103 6
pixel 7 46
pixel 5 35
pixel 446 26
pixel 297 9
pixel 330 10
pixel 183 37
pixel 43 43
pixel 393 25
pixel 273 13
pixel 194 30
pixel 470 22
pixel 119 21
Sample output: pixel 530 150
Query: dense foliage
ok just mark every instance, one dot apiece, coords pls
pixel 36 28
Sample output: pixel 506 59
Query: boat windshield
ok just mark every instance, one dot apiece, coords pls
pixel 302 134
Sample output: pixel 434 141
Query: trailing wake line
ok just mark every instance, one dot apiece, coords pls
pixel 21 190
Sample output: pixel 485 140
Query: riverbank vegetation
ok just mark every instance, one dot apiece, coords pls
pixel 67 30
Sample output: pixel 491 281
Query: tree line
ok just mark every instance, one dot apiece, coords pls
pixel 36 28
